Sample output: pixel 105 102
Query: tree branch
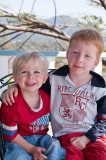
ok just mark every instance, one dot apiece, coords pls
pixel 60 34
pixel 10 40
pixel 9 34
pixel 103 2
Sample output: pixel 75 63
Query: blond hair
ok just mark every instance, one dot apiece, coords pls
pixel 89 35
pixel 22 60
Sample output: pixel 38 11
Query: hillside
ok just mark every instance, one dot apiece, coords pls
pixel 39 42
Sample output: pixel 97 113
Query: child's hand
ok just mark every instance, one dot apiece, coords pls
pixel 8 95
pixel 80 142
pixel 36 153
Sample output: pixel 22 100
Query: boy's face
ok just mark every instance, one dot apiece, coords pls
pixel 81 58
pixel 31 76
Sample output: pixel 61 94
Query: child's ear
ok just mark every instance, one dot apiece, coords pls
pixel 96 63
pixel 45 78
pixel 14 77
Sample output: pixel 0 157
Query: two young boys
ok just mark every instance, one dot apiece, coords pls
pixel 78 99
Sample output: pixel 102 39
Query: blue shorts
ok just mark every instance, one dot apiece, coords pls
pixel 54 151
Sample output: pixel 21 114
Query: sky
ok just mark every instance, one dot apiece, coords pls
pixel 46 8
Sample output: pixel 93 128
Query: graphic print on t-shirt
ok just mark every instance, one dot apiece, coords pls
pixel 40 124
pixel 73 108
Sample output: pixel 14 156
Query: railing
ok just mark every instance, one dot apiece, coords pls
pixel 6 80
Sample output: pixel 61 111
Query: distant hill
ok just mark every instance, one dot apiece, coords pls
pixel 59 20
pixel 42 42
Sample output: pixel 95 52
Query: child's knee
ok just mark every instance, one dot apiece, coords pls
pixel 95 150
pixel 15 152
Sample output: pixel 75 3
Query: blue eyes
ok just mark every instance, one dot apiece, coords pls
pixel 79 54
pixel 36 72
pixel 25 72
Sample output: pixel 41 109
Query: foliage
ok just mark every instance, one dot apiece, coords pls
pixel 32 16
pixel 93 21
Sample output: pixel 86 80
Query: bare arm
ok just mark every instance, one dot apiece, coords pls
pixel 35 152
pixel 8 95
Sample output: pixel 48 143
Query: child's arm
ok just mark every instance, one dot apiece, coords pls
pixel 8 95
pixel 80 142
pixel 13 91
pixel 9 120
pixel 99 128
pixel 35 152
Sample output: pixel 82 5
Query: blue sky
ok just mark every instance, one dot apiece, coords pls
pixel 45 8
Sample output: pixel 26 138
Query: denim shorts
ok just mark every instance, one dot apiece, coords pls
pixel 54 151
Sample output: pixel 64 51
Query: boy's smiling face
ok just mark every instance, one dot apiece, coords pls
pixel 31 76
pixel 82 57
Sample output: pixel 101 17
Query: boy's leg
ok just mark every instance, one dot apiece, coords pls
pixel 95 150
pixel 54 151
pixel 72 153
pixel 15 152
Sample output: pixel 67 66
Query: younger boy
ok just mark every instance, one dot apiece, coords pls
pixel 25 123
pixel 78 99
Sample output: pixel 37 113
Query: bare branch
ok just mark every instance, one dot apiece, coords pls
pixel 8 34
pixel 2 30
pixel 10 39
pixel 60 34
pixel 103 2
pixel 25 41
pixel 59 44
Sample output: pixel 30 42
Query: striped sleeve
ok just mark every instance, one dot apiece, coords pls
pixel 9 125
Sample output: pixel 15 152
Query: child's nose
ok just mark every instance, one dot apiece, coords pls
pixel 80 58
pixel 30 75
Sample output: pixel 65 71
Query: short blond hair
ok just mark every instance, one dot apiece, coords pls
pixel 23 58
pixel 89 35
